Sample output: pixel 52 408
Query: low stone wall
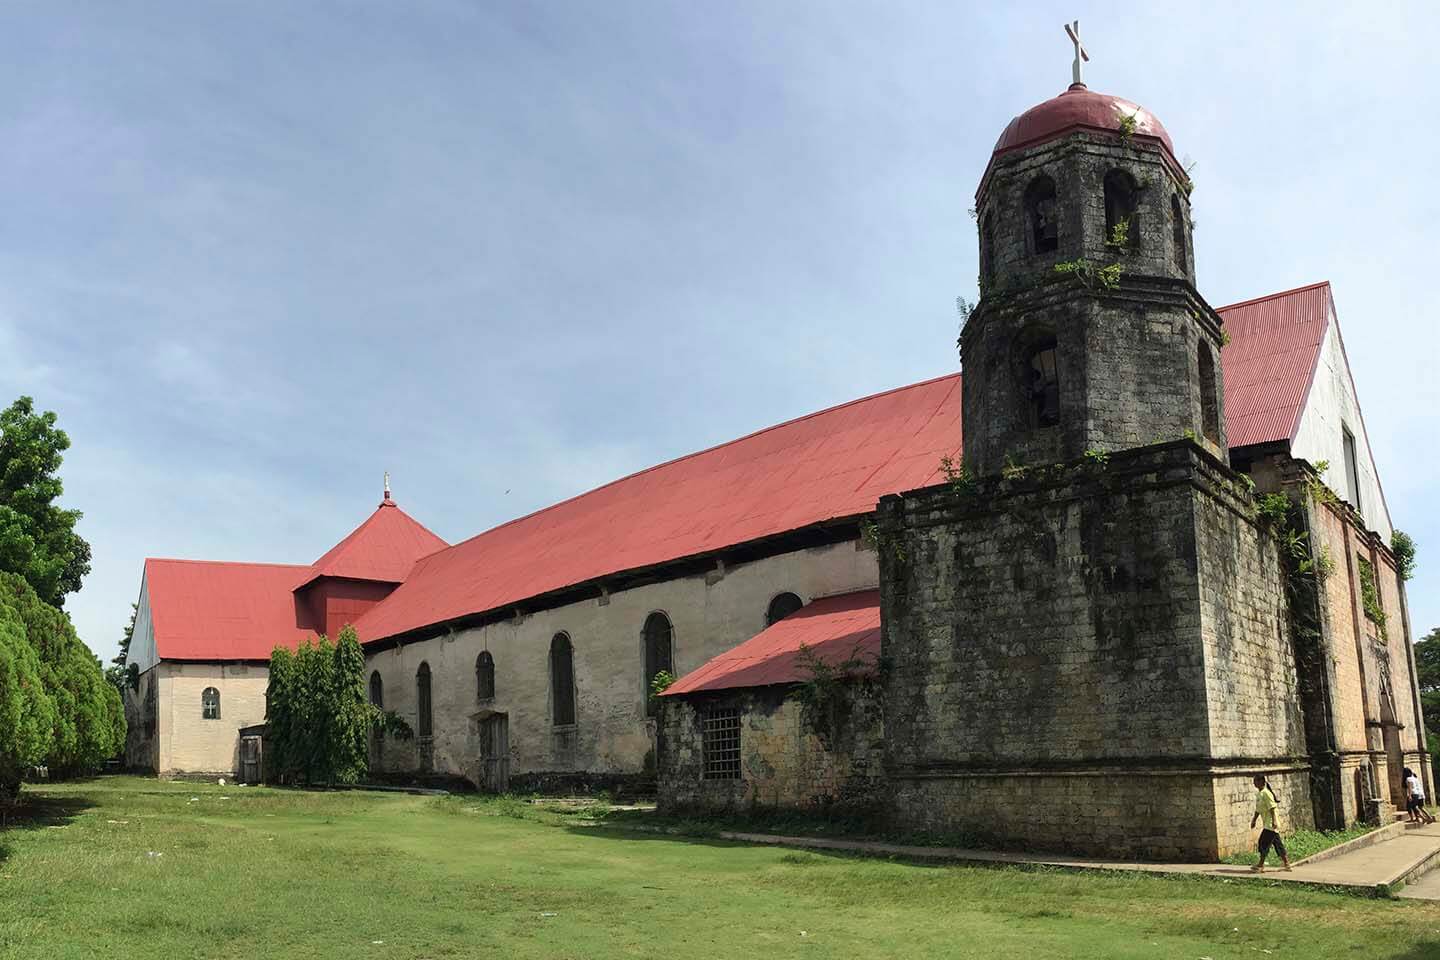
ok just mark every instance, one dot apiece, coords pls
pixel 788 759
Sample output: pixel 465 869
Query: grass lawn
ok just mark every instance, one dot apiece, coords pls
pixel 128 867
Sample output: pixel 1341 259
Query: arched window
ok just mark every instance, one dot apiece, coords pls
pixel 1043 384
pixel 424 716
pixel 659 652
pixel 781 607
pixel 210 704
pixel 1209 396
pixel 1177 226
pixel 1042 233
pixel 485 676
pixel 562 680
pixel 987 253
pixel 377 699
pixel 1122 210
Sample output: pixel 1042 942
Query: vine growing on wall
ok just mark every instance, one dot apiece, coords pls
pixel 659 684
pixel 1370 595
pixel 1092 275
pixel 958 476
pixel 1403 546
pixel 823 692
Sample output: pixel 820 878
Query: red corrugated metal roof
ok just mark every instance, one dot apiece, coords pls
pixel 1270 361
pixel 204 610
pixel 383 548
pixel 834 629
pixel 832 464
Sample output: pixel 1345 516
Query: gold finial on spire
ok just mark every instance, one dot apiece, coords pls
pixel 1072 30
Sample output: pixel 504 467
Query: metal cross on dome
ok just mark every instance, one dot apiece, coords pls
pixel 1072 30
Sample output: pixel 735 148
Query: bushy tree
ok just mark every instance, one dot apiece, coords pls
pixel 319 717
pixel 352 716
pixel 37 538
pixel 27 712
pixel 1427 669
pixel 89 720
pixel 119 675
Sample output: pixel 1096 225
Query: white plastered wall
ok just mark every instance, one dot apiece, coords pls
pixel 709 614
pixel 1331 404
pixel 188 742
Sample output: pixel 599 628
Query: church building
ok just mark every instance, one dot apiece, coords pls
pixel 1051 574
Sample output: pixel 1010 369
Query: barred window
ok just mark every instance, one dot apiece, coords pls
pixel 210 704
pixel 722 743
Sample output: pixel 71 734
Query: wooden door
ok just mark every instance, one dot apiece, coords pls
pixel 495 753
pixel 249 759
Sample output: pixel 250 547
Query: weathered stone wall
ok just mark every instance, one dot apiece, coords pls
pixel 612 734
pixel 786 760
pixel 1067 633
pixel 1357 738
pixel 1078 165
pixel 142 707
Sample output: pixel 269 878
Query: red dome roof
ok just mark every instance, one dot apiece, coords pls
pixel 1075 109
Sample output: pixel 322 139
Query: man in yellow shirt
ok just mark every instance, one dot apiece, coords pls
pixel 1269 834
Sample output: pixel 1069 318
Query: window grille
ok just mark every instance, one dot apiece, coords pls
pixel 722 743
pixel 1044 385
pixel 210 704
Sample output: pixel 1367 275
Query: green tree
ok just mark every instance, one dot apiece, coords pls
pixel 89 721
pixel 37 538
pixel 351 715
pixel 1427 669
pixel 282 732
pixel 319 716
pixel 119 675
pixel 27 712
pixel 1427 661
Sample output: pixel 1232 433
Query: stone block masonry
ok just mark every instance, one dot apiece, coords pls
pixel 1092 656
pixel 785 761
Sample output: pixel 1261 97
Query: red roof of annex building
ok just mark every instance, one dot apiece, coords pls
pixel 833 629
pixel 830 465
pixel 210 610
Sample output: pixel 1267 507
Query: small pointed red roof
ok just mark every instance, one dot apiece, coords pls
pixel 382 548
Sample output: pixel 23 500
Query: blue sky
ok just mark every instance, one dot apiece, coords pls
pixel 255 254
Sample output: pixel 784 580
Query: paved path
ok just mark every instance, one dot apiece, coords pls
pixel 1368 866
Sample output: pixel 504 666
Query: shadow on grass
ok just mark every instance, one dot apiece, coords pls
pixel 32 811
pixel 1428 950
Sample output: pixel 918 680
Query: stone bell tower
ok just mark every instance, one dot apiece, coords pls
pixel 1086 640
pixel 1089 334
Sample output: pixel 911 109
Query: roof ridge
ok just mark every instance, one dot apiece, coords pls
pixel 693 455
pixel 1272 296
pixel 228 563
